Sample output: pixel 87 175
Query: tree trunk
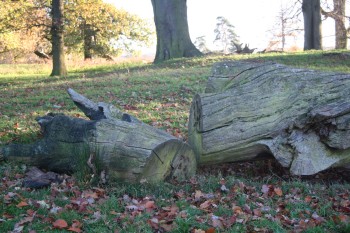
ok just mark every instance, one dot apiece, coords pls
pixel 338 14
pixel 58 60
pixel 312 24
pixel 173 39
pixel 252 110
pixel 112 142
pixel 88 34
pixel 341 39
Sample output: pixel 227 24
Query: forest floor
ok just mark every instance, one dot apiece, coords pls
pixel 257 196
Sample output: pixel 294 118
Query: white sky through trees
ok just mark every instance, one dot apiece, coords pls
pixel 252 19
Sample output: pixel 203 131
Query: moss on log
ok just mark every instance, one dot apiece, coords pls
pixel 254 109
pixel 111 141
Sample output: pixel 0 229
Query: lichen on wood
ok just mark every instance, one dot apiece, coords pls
pixel 111 141
pixel 255 109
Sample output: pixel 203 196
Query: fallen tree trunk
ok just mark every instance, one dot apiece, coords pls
pixel 111 141
pixel 251 110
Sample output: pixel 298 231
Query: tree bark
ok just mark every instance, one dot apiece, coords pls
pixel 111 141
pixel 58 59
pixel 338 14
pixel 312 24
pixel 173 38
pixel 251 110
pixel 88 34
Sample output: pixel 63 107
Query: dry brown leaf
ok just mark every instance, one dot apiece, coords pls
pixel 91 194
pixel 247 209
pixel 22 204
pixel 201 231
pixel 278 192
pixel 237 209
pixel 205 204
pixel 149 205
pixel 74 229
pixel 77 224
pixel 16 125
pixel 113 212
pixel 344 218
pixel 308 199
pixel 217 222
pixel 316 217
pixel 25 220
pixel 198 195
pixel 210 230
pixel 257 212
pixel 60 224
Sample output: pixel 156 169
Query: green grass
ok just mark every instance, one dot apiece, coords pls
pixel 159 95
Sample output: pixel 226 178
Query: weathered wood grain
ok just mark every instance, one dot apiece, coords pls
pixel 253 109
pixel 113 141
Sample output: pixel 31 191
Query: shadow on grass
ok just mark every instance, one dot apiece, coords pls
pixel 323 60
pixel 261 170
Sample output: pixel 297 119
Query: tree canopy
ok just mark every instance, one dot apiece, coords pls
pixel 98 28
pixel 92 27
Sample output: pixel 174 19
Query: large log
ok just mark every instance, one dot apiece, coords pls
pixel 252 109
pixel 111 141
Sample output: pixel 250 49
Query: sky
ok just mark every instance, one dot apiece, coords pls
pixel 252 19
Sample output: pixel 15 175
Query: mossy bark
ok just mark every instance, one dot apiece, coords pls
pixel 250 110
pixel 112 141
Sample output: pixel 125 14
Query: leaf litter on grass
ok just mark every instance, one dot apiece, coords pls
pixel 245 202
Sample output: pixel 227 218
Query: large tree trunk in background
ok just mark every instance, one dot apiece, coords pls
pixel 312 24
pixel 338 14
pixel 58 60
pixel 173 38
pixel 252 110
pixel 112 142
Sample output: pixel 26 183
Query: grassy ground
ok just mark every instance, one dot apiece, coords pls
pixel 249 197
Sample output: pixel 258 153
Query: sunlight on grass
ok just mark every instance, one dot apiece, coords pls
pixel 159 95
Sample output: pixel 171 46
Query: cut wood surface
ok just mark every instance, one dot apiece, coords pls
pixel 111 141
pixel 254 109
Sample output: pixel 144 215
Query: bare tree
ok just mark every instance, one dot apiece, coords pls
pixel 286 25
pixel 336 11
